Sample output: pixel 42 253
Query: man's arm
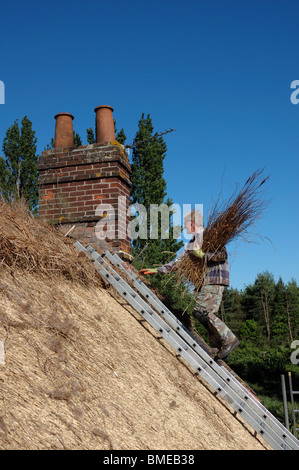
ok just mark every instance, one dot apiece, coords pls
pixel 216 256
pixel 166 268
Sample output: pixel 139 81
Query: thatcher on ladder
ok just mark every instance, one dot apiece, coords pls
pixel 208 298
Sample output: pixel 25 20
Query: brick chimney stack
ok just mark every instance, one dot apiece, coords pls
pixel 77 184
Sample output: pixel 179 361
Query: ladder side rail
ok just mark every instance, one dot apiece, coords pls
pixel 114 258
pixel 263 412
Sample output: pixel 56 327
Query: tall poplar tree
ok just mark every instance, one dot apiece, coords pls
pixel 120 135
pixel 77 141
pixel 19 174
pixel 3 179
pixel 149 188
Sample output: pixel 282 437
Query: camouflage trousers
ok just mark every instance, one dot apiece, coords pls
pixel 207 304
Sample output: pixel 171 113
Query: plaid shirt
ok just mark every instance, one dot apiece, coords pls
pixel 217 267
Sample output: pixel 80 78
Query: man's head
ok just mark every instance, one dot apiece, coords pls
pixel 193 221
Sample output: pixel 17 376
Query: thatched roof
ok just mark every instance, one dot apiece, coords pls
pixel 83 371
pixel 36 247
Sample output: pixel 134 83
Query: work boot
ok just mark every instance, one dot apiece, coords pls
pixel 214 342
pixel 214 353
pixel 228 347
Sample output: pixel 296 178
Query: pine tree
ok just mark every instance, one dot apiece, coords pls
pixel 292 309
pixel 12 151
pixel 3 179
pixel 148 189
pixel 90 136
pixel 51 145
pixel 258 300
pixel 77 141
pixel 120 136
pixel 148 184
pixel 280 322
pixel 20 180
pixel 231 309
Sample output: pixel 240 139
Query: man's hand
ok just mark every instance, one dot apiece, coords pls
pixel 148 271
pixel 197 251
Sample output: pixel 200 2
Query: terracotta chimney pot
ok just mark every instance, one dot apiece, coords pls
pixel 64 136
pixel 105 131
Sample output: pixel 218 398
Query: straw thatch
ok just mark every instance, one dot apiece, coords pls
pixel 82 370
pixel 35 247
pixel 227 222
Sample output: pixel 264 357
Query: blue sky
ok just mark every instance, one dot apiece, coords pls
pixel 218 72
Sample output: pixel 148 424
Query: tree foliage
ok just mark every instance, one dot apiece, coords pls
pixel 155 244
pixel 266 308
pixel 119 135
pixel 18 167
pixel 265 317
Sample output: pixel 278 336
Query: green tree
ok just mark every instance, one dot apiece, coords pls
pixel 292 309
pixel 90 136
pixel 148 184
pixel 258 299
pixel 231 311
pixel 3 179
pixel 280 324
pixel 51 145
pixel 77 141
pixel 251 333
pixel 21 176
pixel 148 191
pixel 120 136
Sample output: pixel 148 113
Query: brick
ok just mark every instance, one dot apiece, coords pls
pixel 74 182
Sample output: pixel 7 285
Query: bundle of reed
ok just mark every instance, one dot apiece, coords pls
pixel 227 222
pixel 36 247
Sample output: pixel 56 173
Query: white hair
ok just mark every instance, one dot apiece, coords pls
pixel 195 215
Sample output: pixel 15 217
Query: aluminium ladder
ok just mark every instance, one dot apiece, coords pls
pixel 144 301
